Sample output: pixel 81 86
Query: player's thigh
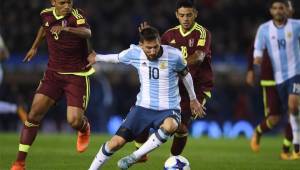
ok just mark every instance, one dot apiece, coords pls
pixel 170 125
pixel 77 91
pixel 40 105
pixel 272 102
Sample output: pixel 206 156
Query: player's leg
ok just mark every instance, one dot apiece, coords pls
pixel 181 134
pixel 293 103
pixel 133 125
pixel 287 142
pixel 77 91
pixel 272 115
pixel 139 141
pixel 169 122
pixel 40 106
pixel 107 150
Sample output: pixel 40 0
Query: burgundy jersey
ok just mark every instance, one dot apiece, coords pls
pixel 67 52
pixel 266 71
pixel 198 38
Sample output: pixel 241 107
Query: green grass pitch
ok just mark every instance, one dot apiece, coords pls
pixel 57 152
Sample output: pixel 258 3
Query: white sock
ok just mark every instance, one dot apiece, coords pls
pixel 6 107
pixel 154 141
pixel 295 121
pixel 102 156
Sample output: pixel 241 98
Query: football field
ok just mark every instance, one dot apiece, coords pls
pixel 57 152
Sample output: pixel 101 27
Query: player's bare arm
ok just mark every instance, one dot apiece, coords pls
pixel 197 57
pixel 250 78
pixel 79 31
pixel 38 40
pixel 257 60
pixel 91 59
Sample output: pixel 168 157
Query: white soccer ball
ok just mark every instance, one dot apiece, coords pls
pixel 177 163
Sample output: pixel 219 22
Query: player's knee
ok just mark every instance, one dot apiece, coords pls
pixel 170 125
pixel 182 129
pixel 274 120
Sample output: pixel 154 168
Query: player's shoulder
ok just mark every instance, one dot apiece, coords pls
pixel 133 50
pixel 171 50
pixel 172 30
pixel 78 13
pixel 265 25
pixel 47 11
pixel 200 28
pixel 294 21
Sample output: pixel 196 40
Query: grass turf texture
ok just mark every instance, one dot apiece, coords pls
pixel 57 152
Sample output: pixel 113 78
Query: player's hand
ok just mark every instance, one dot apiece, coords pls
pixel 250 78
pixel 197 109
pixel 143 25
pixel 30 54
pixel 91 59
pixel 195 58
pixel 57 29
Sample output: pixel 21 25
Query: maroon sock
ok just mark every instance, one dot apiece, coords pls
pixel 28 134
pixel 178 145
pixel 263 127
pixel 83 125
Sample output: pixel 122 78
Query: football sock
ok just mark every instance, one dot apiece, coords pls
pixel 6 107
pixel 179 142
pixel 264 127
pixel 295 120
pixel 83 126
pixel 288 138
pixel 28 134
pixel 154 141
pixel 102 156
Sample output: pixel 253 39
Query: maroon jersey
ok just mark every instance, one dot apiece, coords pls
pixel 266 65
pixel 198 38
pixel 67 52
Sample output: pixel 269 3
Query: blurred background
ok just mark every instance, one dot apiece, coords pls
pixel 234 109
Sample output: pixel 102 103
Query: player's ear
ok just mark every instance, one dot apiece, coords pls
pixel 196 13
pixel 176 14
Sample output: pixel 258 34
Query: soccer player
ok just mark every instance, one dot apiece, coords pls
pixel 66 31
pixel 280 37
pixel 7 107
pixel 271 102
pixel 194 41
pixel 157 105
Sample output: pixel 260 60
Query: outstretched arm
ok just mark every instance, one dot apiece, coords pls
pixel 38 40
pixel 94 57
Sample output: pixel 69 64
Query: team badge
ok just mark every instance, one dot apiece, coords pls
pixel 289 34
pixel 191 42
pixel 163 65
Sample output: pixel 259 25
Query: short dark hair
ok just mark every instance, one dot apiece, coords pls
pixel 148 34
pixel 271 2
pixel 185 3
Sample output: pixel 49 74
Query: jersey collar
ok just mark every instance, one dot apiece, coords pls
pixel 187 33
pixel 56 16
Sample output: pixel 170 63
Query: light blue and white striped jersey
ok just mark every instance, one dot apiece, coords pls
pixel 282 44
pixel 158 78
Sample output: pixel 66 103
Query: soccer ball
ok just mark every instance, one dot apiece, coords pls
pixel 177 163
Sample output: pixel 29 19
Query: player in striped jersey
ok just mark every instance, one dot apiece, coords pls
pixel 271 101
pixel 157 105
pixel 194 41
pixel 280 37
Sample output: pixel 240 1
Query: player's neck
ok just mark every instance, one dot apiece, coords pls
pixel 57 13
pixel 279 23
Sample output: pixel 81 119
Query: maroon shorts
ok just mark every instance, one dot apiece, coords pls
pixel 186 113
pixel 75 88
pixel 271 101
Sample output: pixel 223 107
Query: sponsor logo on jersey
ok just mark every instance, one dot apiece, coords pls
pixel 173 41
pixel 47 24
